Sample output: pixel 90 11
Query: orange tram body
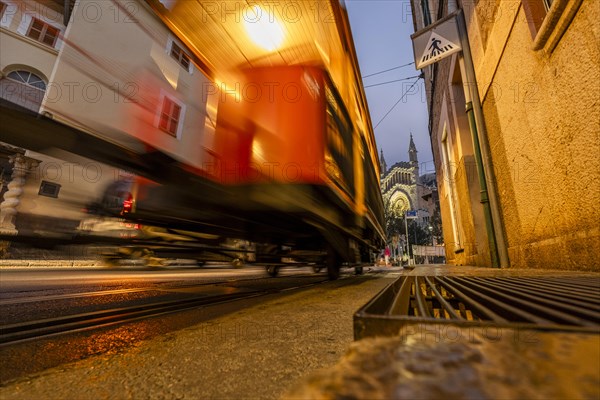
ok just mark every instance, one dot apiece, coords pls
pixel 289 169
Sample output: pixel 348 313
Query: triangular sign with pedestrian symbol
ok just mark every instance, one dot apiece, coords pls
pixel 437 48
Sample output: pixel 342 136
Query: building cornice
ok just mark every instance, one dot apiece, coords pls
pixel 29 41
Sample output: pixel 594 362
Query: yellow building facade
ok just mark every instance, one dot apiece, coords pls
pixel 537 65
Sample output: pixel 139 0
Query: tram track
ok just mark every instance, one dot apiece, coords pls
pixel 113 292
pixel 31 330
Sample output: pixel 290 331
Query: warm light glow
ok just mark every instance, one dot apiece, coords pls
pixel 263 28
pixel 228 90
pixel 324 55
pixel 258 154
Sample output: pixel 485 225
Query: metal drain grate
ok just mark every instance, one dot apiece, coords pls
pixel 550 302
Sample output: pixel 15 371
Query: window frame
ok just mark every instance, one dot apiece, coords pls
pixel 548 4
pixel 46 185
pixel 426 13
pixel 41 36
pixel 19 73
pixel 181 56
pixel 168 116
pixel 27 88
pixel 6 19
pixel 535 13
pixel 548 20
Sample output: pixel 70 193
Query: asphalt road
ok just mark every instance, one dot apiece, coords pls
pixel 251 348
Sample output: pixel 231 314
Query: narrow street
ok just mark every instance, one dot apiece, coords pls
pixel 256 348
pixel 326 200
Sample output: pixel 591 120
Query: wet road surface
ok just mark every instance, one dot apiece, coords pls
pixel 34 294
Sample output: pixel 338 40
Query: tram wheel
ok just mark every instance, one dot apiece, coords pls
pixel 317 268
pixel 272 270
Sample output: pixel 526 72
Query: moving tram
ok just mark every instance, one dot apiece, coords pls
pixel 251 125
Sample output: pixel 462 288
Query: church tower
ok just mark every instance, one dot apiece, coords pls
pixel 412 151
pixel 414 161
pixel 382 164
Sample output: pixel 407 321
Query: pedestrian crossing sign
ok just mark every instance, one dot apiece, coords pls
pixel 439 47
pixel 436 42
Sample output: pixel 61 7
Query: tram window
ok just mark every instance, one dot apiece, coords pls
pixel 339 138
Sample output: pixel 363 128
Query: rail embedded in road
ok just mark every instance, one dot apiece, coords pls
pixel 30 330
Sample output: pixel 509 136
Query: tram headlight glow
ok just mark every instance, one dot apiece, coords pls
pixel 263 28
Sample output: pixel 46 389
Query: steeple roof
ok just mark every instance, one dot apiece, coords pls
pixel 411 146
pixel 412 151
pixel 382 163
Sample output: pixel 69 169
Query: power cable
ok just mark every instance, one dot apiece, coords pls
pixel 387 70
pixel 394 106
pixel 396 80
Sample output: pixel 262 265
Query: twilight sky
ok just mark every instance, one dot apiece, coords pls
pixel 381 30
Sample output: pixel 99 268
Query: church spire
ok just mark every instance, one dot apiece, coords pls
pixel 382 163
pixel 412 151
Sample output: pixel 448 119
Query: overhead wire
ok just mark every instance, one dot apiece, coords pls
pixel 387 70
pixel 399 100
pixel 395 80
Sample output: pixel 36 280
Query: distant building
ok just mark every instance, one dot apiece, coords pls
pixel 537 65
pixel 404 189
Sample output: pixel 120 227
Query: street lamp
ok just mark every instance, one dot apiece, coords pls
pixel 429 258
pixel 431 233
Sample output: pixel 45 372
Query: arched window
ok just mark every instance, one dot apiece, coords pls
pixel 28 78
pixel 23 88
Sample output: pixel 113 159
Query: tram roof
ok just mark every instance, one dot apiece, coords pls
pixel 220 33
pixel 312 32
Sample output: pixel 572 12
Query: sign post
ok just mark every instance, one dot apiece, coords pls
pixel 409 214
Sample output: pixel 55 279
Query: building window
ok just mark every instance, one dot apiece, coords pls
pixel 535 12
pixel 49 189
pixel 42 32
pixel 23 88
pixel 426 12
pixel 27 78
pixel 543 17
pixel 180 56
pixel 169 116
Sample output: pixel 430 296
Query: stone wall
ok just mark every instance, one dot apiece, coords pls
pixel 543 126
pixel 542 114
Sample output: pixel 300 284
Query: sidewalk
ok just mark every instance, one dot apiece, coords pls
pixel 434 360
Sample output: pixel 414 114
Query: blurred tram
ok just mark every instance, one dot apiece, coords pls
pixel 277 148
